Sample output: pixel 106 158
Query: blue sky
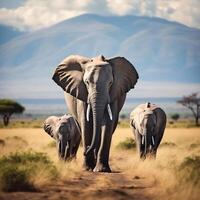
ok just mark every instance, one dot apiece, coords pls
pixel 11 3
pixel 36 14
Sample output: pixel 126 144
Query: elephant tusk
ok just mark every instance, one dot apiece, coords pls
pixel 153 141
pixel 110 112
pixel 88 113
pixel 145 148
pixel 59 148
pixel 142 139
pixel 66 155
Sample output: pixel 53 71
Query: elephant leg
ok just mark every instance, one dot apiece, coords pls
pixel 76 146
pixel 137 140
pixel 140 147
pixel 142 153
pixel 102 164
pixel 152 150
pixel 86 133
pixel 153 153
pixel 89 159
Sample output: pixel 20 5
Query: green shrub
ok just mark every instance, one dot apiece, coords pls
pixel 124 124
pixel 189 170
pixel 19 169
pixel 128 143
pixel 168 144
pixel 15 179
pixel 25 157
pixel 52 144
pixel 194 146
pixel 175 116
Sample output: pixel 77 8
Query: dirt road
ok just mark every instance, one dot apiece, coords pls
pixel 87 185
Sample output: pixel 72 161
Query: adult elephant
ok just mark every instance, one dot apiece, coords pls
pixel 95 91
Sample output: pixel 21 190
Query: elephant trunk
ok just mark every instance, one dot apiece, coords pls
pixel 148 141
pixel 144 142
pixel 67 151
pixel 61 149
pixel 98 114
pixel 64 149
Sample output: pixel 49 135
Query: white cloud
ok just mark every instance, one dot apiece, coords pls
pixel 36 14
pixel 120 7
pixel 183 11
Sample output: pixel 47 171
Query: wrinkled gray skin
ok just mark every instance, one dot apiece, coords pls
pixel 153 127
pixel 66 133
pixel 91 85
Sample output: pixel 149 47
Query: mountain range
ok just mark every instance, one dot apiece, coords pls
pixel 160 50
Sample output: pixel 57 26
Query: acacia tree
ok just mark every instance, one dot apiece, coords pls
pixel 192 102
pixel 8 107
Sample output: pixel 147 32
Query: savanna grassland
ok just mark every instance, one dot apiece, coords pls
pixel 36 172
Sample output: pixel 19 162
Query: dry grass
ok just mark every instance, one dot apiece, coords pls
pixel 162 172
pixel 38 123
pixel 182 123
pixel 132 178
pixel 23 123
pixel 19 171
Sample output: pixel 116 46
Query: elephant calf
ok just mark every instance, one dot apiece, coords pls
pixel 148 123
pixel 66 132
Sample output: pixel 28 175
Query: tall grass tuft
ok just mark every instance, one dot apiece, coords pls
pixel 15 179
pixel 189 170
pixel 127 144
pixel 18 171
pixel 194 146
pixel 168 144
pixel 51 144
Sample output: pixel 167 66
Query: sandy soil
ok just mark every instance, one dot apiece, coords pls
pixel 130 179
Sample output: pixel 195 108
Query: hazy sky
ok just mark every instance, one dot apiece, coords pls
pixel 36 14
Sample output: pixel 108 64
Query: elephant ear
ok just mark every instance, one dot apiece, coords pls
pixel 69 76
pixel 48 129
pixel 125 77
